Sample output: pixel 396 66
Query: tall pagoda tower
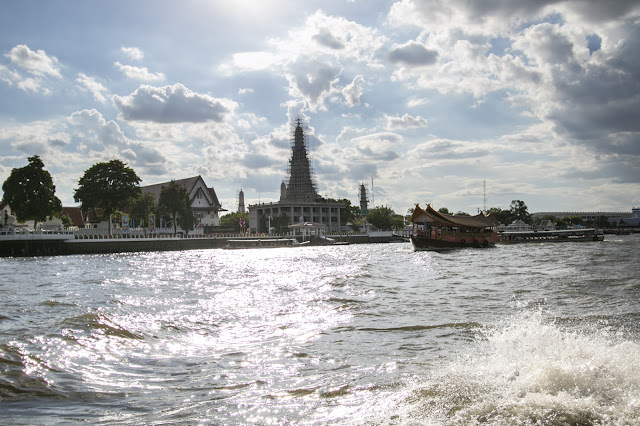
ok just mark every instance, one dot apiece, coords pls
pixel 364 209
pixel 301 185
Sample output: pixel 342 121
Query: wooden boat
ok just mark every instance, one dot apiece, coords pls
pixel 432 230
pixel 248 243
pixel 559 236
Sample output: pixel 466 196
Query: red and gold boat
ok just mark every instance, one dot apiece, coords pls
pixel 433 230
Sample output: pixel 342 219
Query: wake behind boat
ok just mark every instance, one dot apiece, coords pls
pixel 247 243
pixel 433 230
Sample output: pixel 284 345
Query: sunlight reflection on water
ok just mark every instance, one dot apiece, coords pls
pixel 352 334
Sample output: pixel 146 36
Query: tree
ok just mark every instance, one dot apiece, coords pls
pixel 502 216
pixel 141 207
pixel 443 210
pixel 397 221
pixel 233 220
pixel 380 217
pixel 108 186
pixel 573 220
pixel 174 201
pixel 187 219
pixel 601 222
pixel 519 210
pixel 30 192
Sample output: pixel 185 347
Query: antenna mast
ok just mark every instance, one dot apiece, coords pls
pixel 484 187
pixel 373 202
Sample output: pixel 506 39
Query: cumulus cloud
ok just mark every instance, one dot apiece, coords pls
pixel 353 91
pixel 38 66
pixel 172 104
pixel 133 53
pixel 91 85
pixel 413 54
pixel 405 122
pixel 139 73
pixel 97 134
pixel 313 79
pixel 37 63
pixel 377 146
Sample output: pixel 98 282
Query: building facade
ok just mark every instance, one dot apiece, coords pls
pixel 299 200
pixel 204 200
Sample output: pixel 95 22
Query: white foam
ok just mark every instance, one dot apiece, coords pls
pixel 529 370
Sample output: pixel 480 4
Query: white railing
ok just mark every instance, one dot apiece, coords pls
pixel 29 234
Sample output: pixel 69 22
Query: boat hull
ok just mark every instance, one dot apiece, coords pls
pixel 421 243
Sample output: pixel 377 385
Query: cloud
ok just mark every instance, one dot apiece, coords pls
pixel 250 62
pixel 446 149
pixel 545 44
pixel 90 84
pixel 413 54
pixel 353 91
pixel 37 63
pixel 376 147
pixel 139 73
pixel 172 104
pixel 133 53
pixel 312 79
pixel 96 134
pixel 326 38
pixel 404 122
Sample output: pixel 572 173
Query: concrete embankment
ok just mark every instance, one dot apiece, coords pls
pixel 65 246
pixel 36 247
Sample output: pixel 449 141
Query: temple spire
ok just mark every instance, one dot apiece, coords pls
pixel 300 186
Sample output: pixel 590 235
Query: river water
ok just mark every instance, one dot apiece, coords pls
pixel 362 334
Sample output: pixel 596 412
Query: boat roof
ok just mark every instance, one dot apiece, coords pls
pixel 420 216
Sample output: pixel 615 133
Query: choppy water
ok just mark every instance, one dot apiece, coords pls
pixel 362 334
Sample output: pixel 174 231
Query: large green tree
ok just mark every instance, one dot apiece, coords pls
pixel 502 216
pixel 108 186
pixel 519 210
pixel 30 192
pixel 381 217
pixel 174 201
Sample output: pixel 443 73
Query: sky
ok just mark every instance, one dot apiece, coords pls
pixel 462 104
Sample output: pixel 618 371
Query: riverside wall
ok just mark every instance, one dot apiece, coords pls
pixel 25 247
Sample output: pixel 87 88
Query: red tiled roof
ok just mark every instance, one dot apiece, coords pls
pixel 75 214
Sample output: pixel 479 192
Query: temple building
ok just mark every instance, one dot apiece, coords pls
pixel 204 201
pixel 299 200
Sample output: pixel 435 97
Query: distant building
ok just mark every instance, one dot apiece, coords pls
pixel 204 200
pixel 546 225
pixel 75 215
pixel 241 208
pixel 364 208
pixel 586 216
pixel 516 226
pixel 299 200
pixel 624 219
